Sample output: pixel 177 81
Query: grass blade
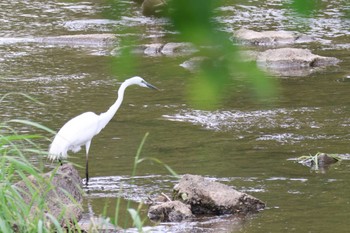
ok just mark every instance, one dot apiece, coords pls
pixel 34 124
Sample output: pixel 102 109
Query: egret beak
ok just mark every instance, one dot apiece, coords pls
pixel 151 86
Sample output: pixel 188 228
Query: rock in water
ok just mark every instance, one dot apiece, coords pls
pixel 269 38
pixel 209 197
pixel 61 191
pixel 293 58
pixel 171 211
pixel 102 39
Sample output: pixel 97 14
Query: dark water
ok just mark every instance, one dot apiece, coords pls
pixel 244 143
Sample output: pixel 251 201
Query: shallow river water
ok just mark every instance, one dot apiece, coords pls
pixel 246 144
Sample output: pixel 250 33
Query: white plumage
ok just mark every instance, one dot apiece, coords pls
pixel 74 134
pixel 80 130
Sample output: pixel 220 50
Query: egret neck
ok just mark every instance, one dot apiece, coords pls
pixel 105 117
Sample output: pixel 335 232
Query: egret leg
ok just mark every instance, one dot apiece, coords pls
pixel 87 147
pixel 60 161
pixel 87 171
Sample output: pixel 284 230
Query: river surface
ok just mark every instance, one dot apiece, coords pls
pixel 246 144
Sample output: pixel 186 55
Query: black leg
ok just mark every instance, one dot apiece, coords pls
pixel 60 161
pixel 87 172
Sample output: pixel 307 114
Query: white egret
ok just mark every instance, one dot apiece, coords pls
pixel 81 129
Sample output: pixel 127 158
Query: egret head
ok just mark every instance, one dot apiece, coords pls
pixel 141 82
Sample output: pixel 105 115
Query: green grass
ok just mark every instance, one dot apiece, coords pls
pixel 17 215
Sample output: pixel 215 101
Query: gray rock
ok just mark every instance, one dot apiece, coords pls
pixel 15 40
pixel 158 49
pixel 209 197
pixel 62 193
pixel 269 38
pixel 91 40
pixel 292 58
pixel 320 161
pixel 171 49
pixel 152 49
pixel 171 211
pixel 82 39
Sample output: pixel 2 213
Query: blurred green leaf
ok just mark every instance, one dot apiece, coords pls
pixel 136 219
pixel 222 66
pixel 195 22
pixel 304 7
pixel 193 18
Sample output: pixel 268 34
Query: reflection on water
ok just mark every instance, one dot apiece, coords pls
pixel 244 144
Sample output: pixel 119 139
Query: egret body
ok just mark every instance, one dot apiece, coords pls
pixel 80 130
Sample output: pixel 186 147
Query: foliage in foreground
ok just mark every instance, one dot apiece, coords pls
pixel 15 214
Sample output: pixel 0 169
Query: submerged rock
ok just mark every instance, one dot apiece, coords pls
pixel 93 40
pixel 320 161
pixel 269 38
pixel 171 211
pixel 171 49
pixel 61 190
pixel 83 39
pixel 209 197
pixel 281 61
pixel 158 49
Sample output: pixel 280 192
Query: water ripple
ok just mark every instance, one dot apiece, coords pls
pixel 281 125
pixel 138 188
pixel 277 15
pixel 240 120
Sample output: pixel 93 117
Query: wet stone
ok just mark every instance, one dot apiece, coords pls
pixel 171 49
pixel 157 49
pixel 171 211
pixel 269 38
pixel 209 197
pixel 320 161
pixel 293 58
pixel 83 39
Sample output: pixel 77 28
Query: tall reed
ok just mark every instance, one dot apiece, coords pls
pixel 17 214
